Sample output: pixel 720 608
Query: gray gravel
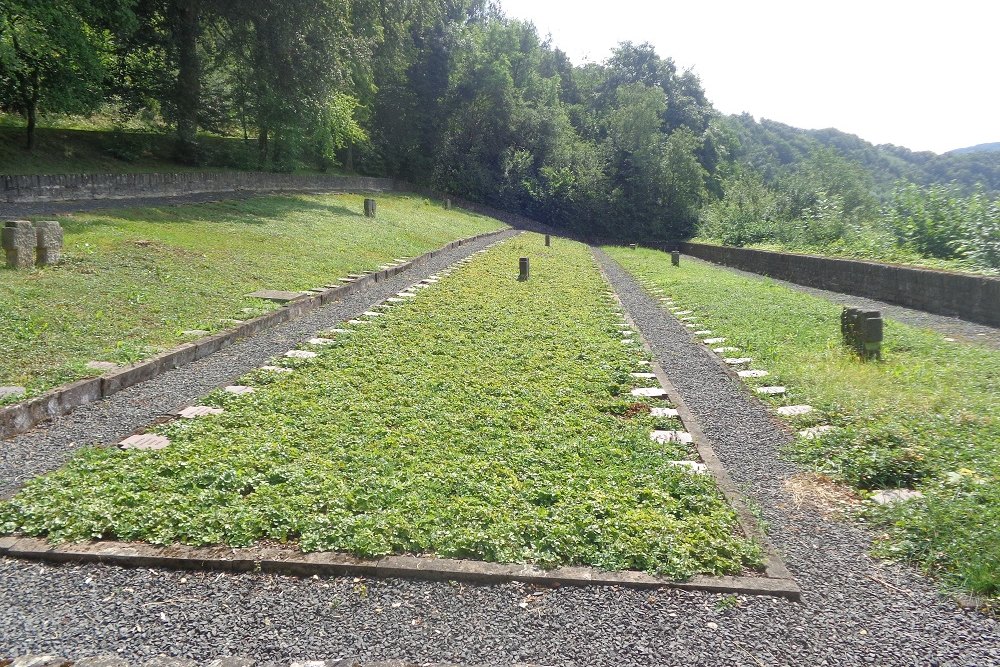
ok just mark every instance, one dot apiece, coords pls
pixel 846 616
pixel 108 421
pixel 953 327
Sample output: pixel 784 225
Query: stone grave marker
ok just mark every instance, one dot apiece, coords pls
pixel 144 442
pixel 49 240
pixel 194 411
pixel 18 240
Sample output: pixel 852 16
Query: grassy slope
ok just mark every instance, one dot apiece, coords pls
pixel 480 419
pixel 928 416
pixel 132 281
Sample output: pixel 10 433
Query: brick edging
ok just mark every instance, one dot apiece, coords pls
pixel 24 415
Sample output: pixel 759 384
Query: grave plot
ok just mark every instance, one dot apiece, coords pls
pixel 132 283
pixel 917 434
pixel 476 417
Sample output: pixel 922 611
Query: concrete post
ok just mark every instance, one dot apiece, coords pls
pixel 18 240
pixel 524 269
pixel 49 237
pixel 633 246
pixel 548 241
pixel 369 208
pixel 447 204
pixel 675 258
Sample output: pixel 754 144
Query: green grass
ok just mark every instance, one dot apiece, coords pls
pixel 927 417
pixel 133 280
pixel 486 418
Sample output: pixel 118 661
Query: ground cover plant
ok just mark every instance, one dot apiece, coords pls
pixel 925 418
pixel 133 281
pixel 485 418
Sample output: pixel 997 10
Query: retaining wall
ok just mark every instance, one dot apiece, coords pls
pixel 973 298
pixel 69 187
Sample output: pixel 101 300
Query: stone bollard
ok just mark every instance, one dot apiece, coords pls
pixel 633 246
pixel 675 258
pixel 18 240
pixel 49 236
pixel 863 331
pixel 369 208
pixel 548 241
pixel 524 269
pixel 447 204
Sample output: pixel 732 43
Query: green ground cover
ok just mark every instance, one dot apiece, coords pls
pixel 485 418
pixel 132 281
pixel 927 417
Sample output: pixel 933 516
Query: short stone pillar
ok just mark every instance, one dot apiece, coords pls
pixel 863 331
pixel 447 204
pixel 369 208
pixel 548 241
pixel 18 240
pixel 633 246
pixel 675 258
pixel 524 269
pixel 49 238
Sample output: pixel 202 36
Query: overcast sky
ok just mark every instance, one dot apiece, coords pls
pixel 920 74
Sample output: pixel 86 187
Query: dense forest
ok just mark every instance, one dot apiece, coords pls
pixel 454 95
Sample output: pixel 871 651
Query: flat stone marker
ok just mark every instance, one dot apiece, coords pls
pixel 193 411
pixel 794 410
pixel 194 332
pixel 663 412
pixel 692 466
pixel 101 365
pixel 737 361
pixel 321 341
pixel 145 441
pixel 276 369
pixel 689 325
pixel 670 436
pixel 627 341
pixel 346 280
pixel 703 332
pixel 406 294
pixel 395 299
pixel 649 392
pixel 688 318
pixel 277 296
pixel 300 354
pixel 713 341
pixel 340 331
pixel 371 313
pixel 7 392
pixel 239 389
pixel 644 376
pixel 643 362
pixel 814 432
pixel 770 391
pixel 419 286
pixel 890 496
pixel 753 373
pixel 358 321
pixel 724 350
pixel 674 308
pixel 683 312
pixel 429 281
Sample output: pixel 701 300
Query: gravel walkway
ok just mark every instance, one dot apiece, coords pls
pixel 108 421
pixel 854 611
pixel 961 330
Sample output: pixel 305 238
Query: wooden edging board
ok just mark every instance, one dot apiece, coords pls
pixel 23 416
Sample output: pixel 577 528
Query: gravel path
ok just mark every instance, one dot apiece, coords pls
pixel 847 616
pixel 962 330
pixel 108 421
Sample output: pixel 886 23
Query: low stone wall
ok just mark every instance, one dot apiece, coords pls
pixel 69 187
pixel 973 298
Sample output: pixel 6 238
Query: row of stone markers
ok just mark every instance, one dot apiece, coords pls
pixel 739 364
pixel 27 244
pixel 653 392
pixel 310 349
pixel 40 660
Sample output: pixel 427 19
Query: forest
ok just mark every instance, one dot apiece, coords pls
pixel 454 95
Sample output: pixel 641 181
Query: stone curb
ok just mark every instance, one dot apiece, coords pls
pixel 23 416
pixel 227 661
pixel 775 571
pixel 289 561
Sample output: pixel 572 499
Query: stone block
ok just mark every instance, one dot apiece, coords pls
pixel 692 466
pixel 752 373
pixel 649 392
pixel 645 376
pixel 794 410
pixel 11 392
pixel 193 411
pixel 714 341
pixel 670 436
pixel 276 369
pixel 144 442
pixel 238 389
pixel 321 341
pixel 814 432
pixel 663 412
pixel 770 391
pixel 737 361
pixel 300 354
pixel 18 241
pixel 49 242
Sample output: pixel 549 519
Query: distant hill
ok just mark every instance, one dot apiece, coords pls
pixel 978 148
pixel 773 148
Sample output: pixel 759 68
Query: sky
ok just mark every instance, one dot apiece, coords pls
pixel 921 74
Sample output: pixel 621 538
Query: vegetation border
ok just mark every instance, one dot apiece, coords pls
pixel 25 415
pixel 279 559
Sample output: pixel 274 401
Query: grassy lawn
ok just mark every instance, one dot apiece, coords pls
pixel 927 417
pixel 133 281
pixel 485 418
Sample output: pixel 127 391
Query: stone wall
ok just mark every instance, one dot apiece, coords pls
pixel 970 297
pixel 69 187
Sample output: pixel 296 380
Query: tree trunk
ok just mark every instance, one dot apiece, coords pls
pixel 188 94
pixel 262 147
pixel 32 111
